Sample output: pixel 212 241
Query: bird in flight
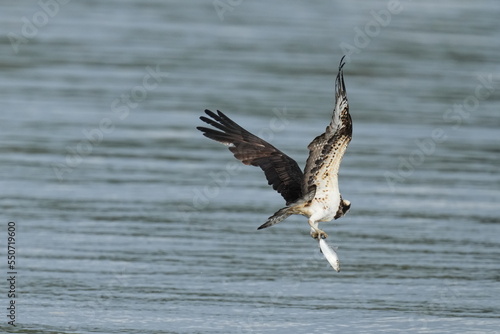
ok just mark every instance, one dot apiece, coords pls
pixel 313 193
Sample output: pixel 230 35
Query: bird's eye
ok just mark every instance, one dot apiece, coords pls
pixel 347 206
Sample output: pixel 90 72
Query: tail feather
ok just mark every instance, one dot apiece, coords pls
pixel 278 216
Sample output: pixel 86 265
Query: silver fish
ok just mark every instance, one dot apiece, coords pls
pixel 329 254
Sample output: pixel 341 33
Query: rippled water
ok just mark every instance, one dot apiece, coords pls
pixel 129 221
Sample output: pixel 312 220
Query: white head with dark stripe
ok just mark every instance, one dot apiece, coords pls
pixel 344 207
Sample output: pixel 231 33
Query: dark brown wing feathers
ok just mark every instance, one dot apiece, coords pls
pixel 282 172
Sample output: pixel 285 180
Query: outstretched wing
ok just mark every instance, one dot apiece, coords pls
pixel 282 172
pixel 326 151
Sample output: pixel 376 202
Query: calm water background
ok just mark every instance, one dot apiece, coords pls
pixel 129 221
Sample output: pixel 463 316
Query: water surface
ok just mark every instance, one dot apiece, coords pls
pixel 129 221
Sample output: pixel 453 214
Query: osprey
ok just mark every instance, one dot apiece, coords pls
pixel 313 193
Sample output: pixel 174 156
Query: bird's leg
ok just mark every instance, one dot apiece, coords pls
pixel 316 233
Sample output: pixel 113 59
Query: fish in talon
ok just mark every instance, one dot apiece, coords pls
pixel 330 254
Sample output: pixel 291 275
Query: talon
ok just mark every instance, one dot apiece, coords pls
pixel 317 234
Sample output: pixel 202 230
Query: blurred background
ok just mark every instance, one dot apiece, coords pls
pixel 130 221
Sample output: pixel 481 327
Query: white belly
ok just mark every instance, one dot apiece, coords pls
pixel 324 209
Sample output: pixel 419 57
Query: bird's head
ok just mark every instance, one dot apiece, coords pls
pixel 344 207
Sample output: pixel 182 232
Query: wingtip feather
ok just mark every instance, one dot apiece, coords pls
pixel 342 62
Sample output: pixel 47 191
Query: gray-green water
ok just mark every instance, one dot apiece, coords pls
pixel 129 221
